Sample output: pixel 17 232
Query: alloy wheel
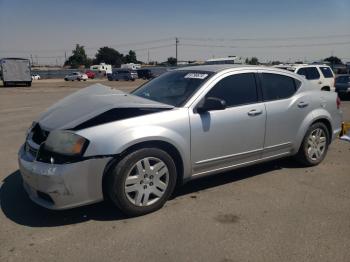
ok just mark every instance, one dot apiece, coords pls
pixel 147 181
pixel 316 144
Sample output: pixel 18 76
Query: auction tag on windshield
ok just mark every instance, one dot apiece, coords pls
pixel 196 75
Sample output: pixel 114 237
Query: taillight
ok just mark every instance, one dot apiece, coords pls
pixel 338 102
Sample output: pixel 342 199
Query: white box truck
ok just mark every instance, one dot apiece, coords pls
pixel 15 71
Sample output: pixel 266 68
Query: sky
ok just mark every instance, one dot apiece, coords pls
pixel 288 30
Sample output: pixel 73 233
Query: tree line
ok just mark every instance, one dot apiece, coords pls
pixel 104 54
pixel 111 56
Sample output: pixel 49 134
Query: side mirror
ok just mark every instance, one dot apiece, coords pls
pixel 211 104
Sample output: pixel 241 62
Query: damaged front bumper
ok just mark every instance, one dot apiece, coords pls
pixel 62 186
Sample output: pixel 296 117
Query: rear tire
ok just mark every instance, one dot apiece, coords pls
pixel 314 146
pixel 142 181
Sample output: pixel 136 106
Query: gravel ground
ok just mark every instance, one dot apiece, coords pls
pixel 275 211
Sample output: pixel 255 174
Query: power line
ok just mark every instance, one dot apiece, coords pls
pixel 136 50
pixel 92 47
pixel 266 38
pixel 269 46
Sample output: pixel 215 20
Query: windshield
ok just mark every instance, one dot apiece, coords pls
pixel 173 88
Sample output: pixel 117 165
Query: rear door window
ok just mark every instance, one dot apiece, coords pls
pixel 236 90
pixel 277 86
pixel 312 73
pixel 302 71
pixel 327 72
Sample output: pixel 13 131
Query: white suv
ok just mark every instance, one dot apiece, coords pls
pixel 321 75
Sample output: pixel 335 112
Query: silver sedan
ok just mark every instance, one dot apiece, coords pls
pixel 134 148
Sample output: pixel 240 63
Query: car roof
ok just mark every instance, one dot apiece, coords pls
pixel 217 68
pixel 307 65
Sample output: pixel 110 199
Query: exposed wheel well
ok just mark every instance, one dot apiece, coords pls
pixel 327 124
pixel 326 88
pixel 167 147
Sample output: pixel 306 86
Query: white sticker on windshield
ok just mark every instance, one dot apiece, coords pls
pixel 196 75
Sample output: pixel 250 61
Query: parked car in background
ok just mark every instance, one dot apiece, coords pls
pixel 145 74
pixel 321 76
pixel 76 76
pixel 187 123
pixel 122 74
pixel 342 85
pixel 35 77
pixel 90 74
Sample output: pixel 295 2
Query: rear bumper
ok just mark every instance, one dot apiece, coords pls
pixel 62 186
pixel 337 124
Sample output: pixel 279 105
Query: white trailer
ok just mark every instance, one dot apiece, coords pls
pixel 15 71
pixel 131 66
pixel 107 69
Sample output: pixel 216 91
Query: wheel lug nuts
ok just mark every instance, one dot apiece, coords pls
pixel 151 177
pixel 144 186
pixel 141 182
pixel 151 184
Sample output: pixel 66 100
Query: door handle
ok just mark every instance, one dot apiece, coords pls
pixel 319 82
pixel 302 104
pixel 254 112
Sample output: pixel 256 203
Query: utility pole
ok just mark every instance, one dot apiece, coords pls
pixel 147 56
pixel 176 44
pixel 31 58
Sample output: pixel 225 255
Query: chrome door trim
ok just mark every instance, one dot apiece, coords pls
pixel 229 156
pixel 217 170
pixel 278 147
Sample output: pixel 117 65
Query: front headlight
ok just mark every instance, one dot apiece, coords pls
pixel 66 143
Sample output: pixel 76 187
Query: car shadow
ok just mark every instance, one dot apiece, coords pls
pixel 17 206
pixel 220 179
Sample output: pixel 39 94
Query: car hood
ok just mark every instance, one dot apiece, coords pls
pixel 91 102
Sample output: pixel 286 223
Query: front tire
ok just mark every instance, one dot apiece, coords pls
pixel 314 146
pixel 142 181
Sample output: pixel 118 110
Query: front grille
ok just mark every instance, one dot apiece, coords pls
pixel 39 135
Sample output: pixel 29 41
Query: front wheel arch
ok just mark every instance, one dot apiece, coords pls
pixel 167 147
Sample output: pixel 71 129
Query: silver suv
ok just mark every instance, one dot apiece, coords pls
pixel 187 123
